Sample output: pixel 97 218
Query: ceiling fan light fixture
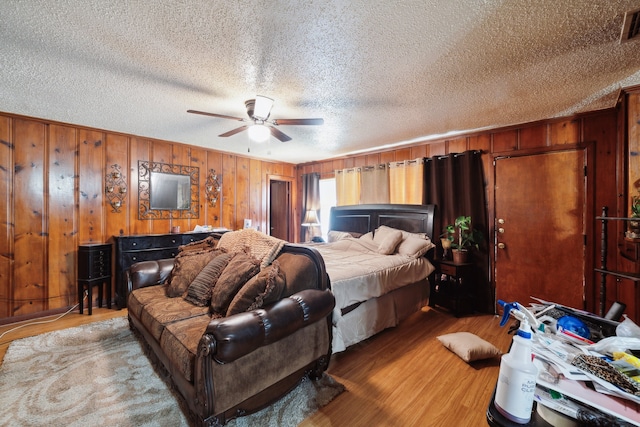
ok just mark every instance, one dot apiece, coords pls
pixel 259 133
pixel 262 107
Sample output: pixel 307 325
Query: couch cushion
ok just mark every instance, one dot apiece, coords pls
pixel 187 266
pixel 138 298
pixel 262 289
pixel 179 341
pixel 240 269
pixel 199 291
pixel 156 315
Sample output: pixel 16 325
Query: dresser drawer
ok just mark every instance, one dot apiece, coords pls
pixel 150 242
pixel 448 269
pixel 130 258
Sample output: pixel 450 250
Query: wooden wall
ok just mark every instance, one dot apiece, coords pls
pixel 52 186
pixel 603 128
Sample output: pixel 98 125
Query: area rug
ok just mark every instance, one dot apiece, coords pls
pixel 97 374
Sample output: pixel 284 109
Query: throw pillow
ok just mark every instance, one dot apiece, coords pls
pixel 199 291
pixel 208 243
pixel 334 236
pixel 388 245
pixel 186 267
pixel 262 289
pixel 468 347
pixel 415 246
pixel 238 271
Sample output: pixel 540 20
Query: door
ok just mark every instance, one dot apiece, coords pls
pixel 279 209
pixel 539 230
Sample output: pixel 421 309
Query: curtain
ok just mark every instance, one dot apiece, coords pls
pixel 406 182
pixel 310 202
pixel 348 186
pixel 455 184
pixel 374 184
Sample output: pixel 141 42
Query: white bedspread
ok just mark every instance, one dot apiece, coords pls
pixel 358 273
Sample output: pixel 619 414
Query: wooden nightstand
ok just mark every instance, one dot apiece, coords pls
pixel 454 287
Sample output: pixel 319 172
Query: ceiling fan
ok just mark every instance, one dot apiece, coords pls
pixel 258 110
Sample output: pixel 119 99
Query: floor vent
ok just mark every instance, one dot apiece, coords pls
pixel 630 26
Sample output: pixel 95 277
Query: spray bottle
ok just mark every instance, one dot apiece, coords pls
pixel 517 377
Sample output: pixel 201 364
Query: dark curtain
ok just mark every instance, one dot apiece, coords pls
pixel 310 201
pixel 455 184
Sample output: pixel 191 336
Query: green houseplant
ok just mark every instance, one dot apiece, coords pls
pixel 462 237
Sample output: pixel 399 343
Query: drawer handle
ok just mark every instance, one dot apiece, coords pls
pixel 134 244
pixel 134 258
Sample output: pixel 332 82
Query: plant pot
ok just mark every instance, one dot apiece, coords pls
pixel 460 256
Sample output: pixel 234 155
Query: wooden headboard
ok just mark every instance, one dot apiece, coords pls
pixel 365 218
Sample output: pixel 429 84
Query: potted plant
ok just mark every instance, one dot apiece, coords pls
pixel 634 226
pixel 463 237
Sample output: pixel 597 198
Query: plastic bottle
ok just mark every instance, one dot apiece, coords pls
pixel 517 377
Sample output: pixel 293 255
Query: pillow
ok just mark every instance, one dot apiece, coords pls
pixel 367 237
pixel 262 289
pixel 208 243
pixel 186 267
pixel 388 245
pixel 469 347
pixel 199 291
pixel 334 236
pixel 414 246
pixel 237 272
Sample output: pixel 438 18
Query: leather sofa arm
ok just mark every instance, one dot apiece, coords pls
pixel 229 338
pixel 148 273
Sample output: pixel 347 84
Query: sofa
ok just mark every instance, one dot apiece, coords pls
pixel 233 350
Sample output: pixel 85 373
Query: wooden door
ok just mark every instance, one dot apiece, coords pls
pixel 539 230
pixel 279 209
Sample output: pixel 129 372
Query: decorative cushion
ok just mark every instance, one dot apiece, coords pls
pixel 469 347
pixel 388 244
pixel 238 271
pixel 262 289
pixel 257 244
pixel 199 291
pixel 187 266
pixel 414 246
pixel 208 243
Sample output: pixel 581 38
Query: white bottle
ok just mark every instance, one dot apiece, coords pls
pixel 517 378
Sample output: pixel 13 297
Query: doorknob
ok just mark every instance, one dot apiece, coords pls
pixel 501 245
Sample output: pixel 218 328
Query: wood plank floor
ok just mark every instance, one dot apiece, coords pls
pixel 401 377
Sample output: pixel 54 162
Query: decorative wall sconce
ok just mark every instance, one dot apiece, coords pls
pixel 115 188
pixel 212 188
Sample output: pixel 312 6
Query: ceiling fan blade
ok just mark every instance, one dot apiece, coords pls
pixel 298 122
pixel 222 116
pixel 277 134
pixel 234 131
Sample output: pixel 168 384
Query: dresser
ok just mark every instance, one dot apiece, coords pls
pixel 146 247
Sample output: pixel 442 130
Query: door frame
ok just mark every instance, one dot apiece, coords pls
pixel 590 212
pixel 289 180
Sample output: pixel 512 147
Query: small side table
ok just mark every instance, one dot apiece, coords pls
pixel 453 286
pixel 94 268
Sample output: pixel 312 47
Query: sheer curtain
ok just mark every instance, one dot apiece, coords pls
pixel 375 184
pixel 406 182
pixel 310 202
pixel 348 186
pixel 455 184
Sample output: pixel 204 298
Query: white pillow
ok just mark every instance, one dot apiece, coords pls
pixel 414 246
pixel 388 245
pixel 469 347
pixel 334 236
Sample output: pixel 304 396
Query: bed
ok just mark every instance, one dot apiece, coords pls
pixel 378 278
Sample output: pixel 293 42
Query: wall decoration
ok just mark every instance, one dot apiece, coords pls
pixel 115 188
pixel 212 188
pixel 167 191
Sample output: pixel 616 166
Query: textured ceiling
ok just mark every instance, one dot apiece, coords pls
pixel 378 72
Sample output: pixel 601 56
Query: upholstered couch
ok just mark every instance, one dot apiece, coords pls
pixel 232 350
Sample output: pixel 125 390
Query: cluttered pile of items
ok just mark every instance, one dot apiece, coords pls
pixel 580 369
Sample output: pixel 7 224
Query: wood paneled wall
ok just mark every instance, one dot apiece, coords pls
pixel 52 186
pixel 605 129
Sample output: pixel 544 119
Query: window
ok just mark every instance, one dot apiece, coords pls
pixel 327 201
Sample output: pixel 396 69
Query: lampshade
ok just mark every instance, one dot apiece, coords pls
pixel 262 108
pixel 259 133
pixel 310 218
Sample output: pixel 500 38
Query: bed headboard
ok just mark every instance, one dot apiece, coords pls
pixel 365 218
